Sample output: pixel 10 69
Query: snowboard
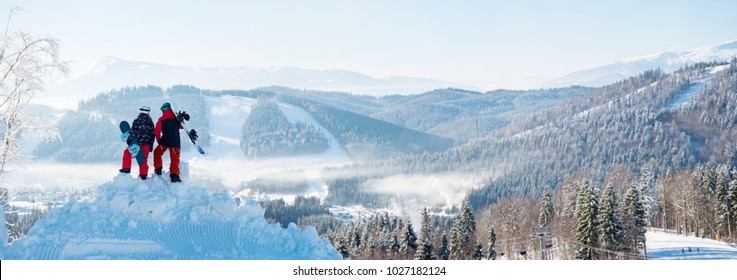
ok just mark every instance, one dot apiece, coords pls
pixel 186 131
pixel 133 148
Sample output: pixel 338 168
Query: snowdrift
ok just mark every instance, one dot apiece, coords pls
pixel 153 219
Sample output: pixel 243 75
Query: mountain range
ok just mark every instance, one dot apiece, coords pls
pixel 667 61
pixel 113 73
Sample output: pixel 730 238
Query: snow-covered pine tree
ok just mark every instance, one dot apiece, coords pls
pixel 723 208
pixel 342 248
pixel 546 209
pixel 424 251
pixel 478 253
pixel 646 187
pixel 609 225
pixel 633 217
pixel 455 247
pixel 409 241
pixel 587 232
pixel 468 221
pixel 443 249
pixel 466 228
pixel 491 252
pixel 396 246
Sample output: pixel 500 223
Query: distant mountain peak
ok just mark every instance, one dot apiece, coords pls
pixel 667 61
pixel 112 72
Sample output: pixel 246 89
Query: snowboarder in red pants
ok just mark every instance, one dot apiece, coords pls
pixel 143 132
pixel 167 135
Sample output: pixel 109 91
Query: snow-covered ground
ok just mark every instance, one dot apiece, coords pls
pixel 51 175
pixel 666 245
pixel 153 219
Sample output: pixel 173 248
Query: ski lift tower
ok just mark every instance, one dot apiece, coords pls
pixel 541 233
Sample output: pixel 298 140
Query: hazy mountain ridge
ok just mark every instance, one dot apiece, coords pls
pixel 112 73
pixel 463 115
pixel 666 61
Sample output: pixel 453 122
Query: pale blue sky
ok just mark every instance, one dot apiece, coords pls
pixel 489 44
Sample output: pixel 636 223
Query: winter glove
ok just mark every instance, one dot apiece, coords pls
pixel 182 115
pixel 193 135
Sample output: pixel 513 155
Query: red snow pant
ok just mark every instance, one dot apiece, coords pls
pixel 143 168
pixel 173 154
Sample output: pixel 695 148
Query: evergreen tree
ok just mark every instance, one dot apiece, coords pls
pixel 587 211
pixel 455 250
pixel 723 206
pixel 646 187
pixel 609 225
pixel 343 249
pixel 634 218
pixel 396 246
pixel 443 249
pixel 478 253
pixel 546 209
pixel 467 224
pixel 491 253
pixel 425 249
pixel 409 241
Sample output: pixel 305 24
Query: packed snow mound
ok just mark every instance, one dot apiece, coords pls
pixel 133 219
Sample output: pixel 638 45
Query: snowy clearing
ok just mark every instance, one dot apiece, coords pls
pixel 666 245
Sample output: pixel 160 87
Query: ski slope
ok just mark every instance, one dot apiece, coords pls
pixel 225 160
pixel 153 219
pixel 666 245
pixel 697 87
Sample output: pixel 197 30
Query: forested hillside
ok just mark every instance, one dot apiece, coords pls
pixel 464 115
pixel 630 124
pixel 267 132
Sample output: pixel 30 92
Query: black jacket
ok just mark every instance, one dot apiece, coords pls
pixel 167 130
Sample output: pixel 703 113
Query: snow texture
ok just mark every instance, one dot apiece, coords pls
pixel 154 219
pixel 666 245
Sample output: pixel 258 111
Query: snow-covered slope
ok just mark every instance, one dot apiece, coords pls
pixel 667 61
pixel 112 73
pixel 153 219
pixel 665 245
pixel 225 160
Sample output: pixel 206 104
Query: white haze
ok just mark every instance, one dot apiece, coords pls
pixel 445 189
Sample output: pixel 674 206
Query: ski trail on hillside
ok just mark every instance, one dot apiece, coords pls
pixel 225 160
pixel 697 87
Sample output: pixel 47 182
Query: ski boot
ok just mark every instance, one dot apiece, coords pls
pixel 175 178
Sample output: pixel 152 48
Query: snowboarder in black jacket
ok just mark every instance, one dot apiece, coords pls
pixel 167 135
pixel 142 132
